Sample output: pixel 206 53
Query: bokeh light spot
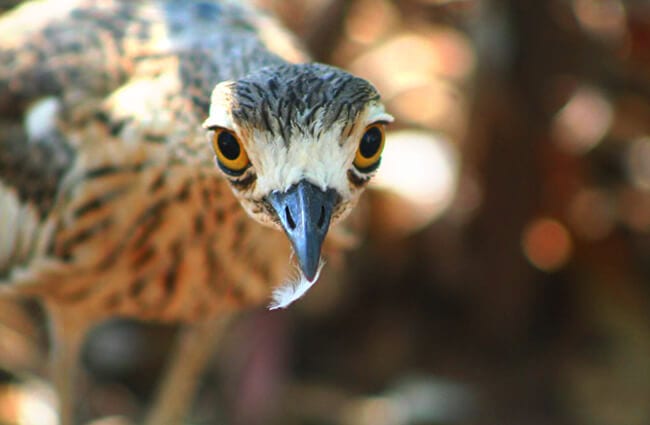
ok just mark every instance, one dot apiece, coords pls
pixel 547 244
pixel 602 18
pixel 369 20
pixel 416 60
pixel 30 403
pixel 421 169
pixel 427 105
pixel 583 122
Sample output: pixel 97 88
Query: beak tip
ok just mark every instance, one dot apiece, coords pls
pixel 310 271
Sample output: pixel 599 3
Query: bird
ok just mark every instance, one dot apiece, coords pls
pixel 172 162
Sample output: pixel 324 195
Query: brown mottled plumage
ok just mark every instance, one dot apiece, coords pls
pixel 110 200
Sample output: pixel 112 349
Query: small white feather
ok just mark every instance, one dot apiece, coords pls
pixel 294 288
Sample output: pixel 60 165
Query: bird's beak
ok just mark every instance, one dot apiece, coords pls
pixel 305 211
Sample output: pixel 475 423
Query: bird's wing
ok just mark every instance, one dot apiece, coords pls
pixel 48 49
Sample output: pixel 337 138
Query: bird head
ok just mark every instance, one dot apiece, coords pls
pixel 298 144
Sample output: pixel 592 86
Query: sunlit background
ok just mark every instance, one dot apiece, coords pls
pixel 505 275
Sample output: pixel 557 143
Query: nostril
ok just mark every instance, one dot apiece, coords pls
pixel 290 222
pixel 321 219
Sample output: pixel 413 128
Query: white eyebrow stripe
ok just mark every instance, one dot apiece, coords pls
pixel 385 117
pixel 377 113
pixel 220 107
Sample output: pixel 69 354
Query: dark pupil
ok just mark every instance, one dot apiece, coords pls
pixel 370 142
pixel 228 145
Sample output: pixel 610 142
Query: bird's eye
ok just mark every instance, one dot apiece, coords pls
pixel 231 155
pixel 370 147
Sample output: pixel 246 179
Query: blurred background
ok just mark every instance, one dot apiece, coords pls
pixel 505 275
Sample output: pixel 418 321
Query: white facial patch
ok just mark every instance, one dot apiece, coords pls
pixel 323 162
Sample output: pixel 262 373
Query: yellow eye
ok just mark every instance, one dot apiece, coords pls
pixel 231 156
pixel 370 147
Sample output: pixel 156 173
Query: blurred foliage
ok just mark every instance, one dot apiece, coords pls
pixel 513 286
